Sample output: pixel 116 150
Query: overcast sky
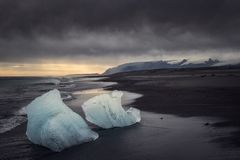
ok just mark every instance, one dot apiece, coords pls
pixel 98 34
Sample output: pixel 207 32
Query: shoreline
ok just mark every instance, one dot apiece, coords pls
pixel 188 93
pixel 163 131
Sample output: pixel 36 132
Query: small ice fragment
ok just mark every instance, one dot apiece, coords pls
pixel 54 125
pixel 106 111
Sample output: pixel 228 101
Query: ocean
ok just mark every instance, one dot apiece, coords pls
pixel 17 92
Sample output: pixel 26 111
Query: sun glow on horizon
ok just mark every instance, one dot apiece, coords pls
pixel 49 69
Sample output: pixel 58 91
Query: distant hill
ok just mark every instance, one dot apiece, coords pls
pixel 137 66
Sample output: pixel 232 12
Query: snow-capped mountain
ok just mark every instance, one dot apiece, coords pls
pixel 136 66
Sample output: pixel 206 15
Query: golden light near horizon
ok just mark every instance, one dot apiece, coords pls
pixel 50 69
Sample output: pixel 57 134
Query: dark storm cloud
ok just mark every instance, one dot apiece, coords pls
pixel 53 28
pixel 28 16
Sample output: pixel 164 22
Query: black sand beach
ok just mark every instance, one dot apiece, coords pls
pixel 212 92
pixel 186 114
pixel 185 92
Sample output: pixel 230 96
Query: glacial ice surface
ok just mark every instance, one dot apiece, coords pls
pixel 106 111
pixel 54 125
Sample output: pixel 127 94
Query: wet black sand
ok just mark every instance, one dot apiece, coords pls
pixel 189 92
pixel 206 102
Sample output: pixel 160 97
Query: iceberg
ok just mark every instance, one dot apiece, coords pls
pixel 54 125
pixel 106 111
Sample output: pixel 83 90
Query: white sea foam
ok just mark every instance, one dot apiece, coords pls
pixel 9 123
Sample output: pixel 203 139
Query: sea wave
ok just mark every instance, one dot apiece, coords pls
pixel 7 124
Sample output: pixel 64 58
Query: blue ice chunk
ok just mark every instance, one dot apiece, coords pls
pixel 106 111
pixel 54 125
